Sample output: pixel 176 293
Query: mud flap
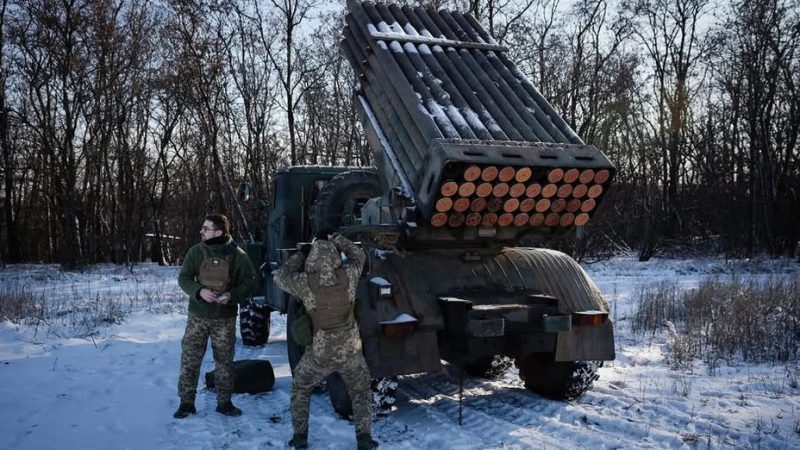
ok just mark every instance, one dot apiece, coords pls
pixel 586 343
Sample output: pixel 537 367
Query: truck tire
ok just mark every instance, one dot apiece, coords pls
pixel 384 392
pixel 339 202
pixel 557 380
pixel 340 399
pixel 294 351
pixel 384 395
pixel 490 367
pixel 254 324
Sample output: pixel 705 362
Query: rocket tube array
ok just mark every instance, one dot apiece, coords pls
pixel 489 196
pixel 431 74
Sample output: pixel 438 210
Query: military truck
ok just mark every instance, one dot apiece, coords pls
pixel 470 162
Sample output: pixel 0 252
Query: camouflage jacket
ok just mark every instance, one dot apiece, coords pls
pixel 242 279
pixel 334 346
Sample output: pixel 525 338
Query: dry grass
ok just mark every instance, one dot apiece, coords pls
pixel 19 305
pixel 76 311
pixel 757 320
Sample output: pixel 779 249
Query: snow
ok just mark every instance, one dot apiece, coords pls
pixel 401 318
pixel 380 281
pixel 115 386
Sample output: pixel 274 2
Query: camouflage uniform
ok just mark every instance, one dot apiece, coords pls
pixel 222 332
pixel 215 321
pixel 332 350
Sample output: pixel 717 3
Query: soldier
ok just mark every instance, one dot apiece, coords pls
pixel 216 275
pixel 327 289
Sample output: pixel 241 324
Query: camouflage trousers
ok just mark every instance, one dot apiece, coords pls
pixel 355 374
pixel 193 347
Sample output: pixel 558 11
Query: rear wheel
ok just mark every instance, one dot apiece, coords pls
pixel 383 395
pixel 293 349
pixel 340 399
pixel 490 367
pixel 558 380
pixel 254 323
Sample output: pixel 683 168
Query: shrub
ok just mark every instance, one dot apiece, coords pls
pixel 757 320
pixel 77 310
pixel 20 305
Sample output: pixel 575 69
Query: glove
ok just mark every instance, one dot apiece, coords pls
pixel 338 240
pixel 304 248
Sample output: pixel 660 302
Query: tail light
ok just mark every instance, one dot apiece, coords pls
pixel 589 318
pixel 401 326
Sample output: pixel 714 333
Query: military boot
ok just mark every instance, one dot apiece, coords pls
pixel 364 441
pixel 184 410
pixel 227 409
pixel 299 441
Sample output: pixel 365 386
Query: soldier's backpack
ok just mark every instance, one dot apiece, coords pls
pixel 214 272
pixel 250 376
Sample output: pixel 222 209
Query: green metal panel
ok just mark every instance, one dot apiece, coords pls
pixel 294 191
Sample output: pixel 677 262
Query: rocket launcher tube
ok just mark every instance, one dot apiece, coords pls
pixel 484 86
pixel 388 113
pixel 475 84
pixel 390 104
pixel 540 124
pixel 408 191
pixel 398 139
pixel 401 58
pixel 497 88
pixel 439 61
pixel 381 60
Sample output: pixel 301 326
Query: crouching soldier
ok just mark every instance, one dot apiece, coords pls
pixel 327 289
pixel 216 275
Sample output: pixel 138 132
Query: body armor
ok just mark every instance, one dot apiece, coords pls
pixel 214 271
pixel 333 307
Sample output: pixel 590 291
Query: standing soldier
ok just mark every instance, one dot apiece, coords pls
pixel 216 275
pixel 327 289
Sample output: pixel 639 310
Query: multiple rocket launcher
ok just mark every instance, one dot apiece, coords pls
pixel 461 131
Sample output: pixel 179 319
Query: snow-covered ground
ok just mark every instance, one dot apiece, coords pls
pixel 70 384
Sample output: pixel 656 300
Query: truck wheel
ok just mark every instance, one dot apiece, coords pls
pixel 383 395
pixel 339 202
pixel 340 399
pixel 293 350
pixel 490 367
pixel 254 324
pixel 557 380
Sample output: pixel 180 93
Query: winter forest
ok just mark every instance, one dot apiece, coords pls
pixel 124 122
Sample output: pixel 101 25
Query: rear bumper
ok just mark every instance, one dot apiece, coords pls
pixel 519 329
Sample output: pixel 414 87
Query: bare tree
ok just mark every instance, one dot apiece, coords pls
pixel 758 76
pixel 291 15
pixel 53 64
pixel 669 32
pixel 332 125
pixel 255 81
pixel 204 38
pixel 12 250
pixel 501 16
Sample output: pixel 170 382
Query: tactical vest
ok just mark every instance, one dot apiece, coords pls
pixel 333 308
pixel 214 271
